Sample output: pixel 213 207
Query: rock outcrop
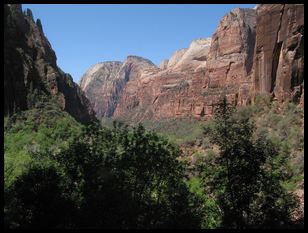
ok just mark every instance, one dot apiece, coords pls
pixel 194 79
pixel 31 74
pixel 163 65
pixel 248 49
pixel 176 57
pixel 195 56
pixel 103 83
pixel 279 57
pixel 230 58
pixel 189 59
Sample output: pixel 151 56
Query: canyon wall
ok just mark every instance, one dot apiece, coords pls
pixel 103 83
pixel 252 51
pixel 31 74
pixel 279 56
pixel 193 80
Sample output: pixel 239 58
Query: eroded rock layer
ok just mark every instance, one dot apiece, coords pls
pixel 252 51
pixel 193 80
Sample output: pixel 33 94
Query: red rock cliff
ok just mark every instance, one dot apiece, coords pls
pixel 230 59
pixel 279 56
pixel 192 81
pixel 251 51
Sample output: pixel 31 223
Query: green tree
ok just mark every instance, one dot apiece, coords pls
pixel 114 178
pixel 245 177
pixel 37 200
pixel 131 177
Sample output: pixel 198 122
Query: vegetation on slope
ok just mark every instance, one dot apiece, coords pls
pixel 105 178
pixel 45 128
pixel 178 130
pixel 247 174
pixel 60 174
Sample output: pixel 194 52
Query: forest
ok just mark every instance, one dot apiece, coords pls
pixel 62 174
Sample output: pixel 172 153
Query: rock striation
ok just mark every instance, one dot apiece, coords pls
pixel 189 59
pixel 194 79
pixel 230 59
pixel 103 83
pixel 252 51
pixel 195 56
pixel 279 57
pixel 31 74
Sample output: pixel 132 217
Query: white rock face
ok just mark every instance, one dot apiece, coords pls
pixel 102 71
pixel 192 58
pixel 176 56
pixel 100 83
pixel 195 56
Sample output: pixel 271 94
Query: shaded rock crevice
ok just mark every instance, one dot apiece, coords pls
pixel 276 55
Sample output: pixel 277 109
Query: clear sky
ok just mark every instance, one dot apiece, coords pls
pixel 83 35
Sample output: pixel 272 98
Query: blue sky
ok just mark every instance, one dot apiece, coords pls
pixel 83 35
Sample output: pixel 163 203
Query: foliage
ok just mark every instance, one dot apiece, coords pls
pixel 59 174
pixel 35 200
pixel 282 124
pixel 211 215
pixel 113 178
pixel 179 131
pixel 246 176
pixel 42 129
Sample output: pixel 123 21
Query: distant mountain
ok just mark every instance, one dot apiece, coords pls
pixel 252 51
pixel 103 83
pixel 31 74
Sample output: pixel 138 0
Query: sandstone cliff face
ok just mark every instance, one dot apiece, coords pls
pixel 189 59
pixel 103 83
pixel 231 54
pixel 176 56
pixel 279 57
pixel 163 65
pixel 162 95
pixel 194 79
pixel 31 74
pixel 237 62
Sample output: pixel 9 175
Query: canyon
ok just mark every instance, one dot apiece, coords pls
pixel 49 120
pixel 252 51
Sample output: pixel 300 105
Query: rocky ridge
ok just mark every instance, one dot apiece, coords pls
pixel 192 82
pixel 31 74
pixel 103 83
pixel 252 51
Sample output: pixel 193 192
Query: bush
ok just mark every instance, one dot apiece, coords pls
pixel 36 200
pixel 117 178
pixel 35 131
